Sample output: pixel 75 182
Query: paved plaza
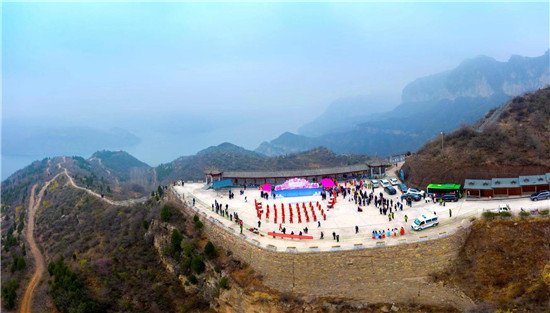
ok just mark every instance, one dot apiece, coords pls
pixel 342 219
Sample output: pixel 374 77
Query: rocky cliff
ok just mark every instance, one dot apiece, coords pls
pixel 482 77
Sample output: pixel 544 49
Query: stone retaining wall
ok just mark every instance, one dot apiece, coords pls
pixel 386 274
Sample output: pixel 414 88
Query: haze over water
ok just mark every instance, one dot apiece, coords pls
pixel 162 80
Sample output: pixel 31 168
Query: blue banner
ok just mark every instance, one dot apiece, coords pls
pixel 402 176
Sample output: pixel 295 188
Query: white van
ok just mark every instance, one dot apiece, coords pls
pixel 424 221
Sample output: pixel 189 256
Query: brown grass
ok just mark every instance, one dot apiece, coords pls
pixel 505 264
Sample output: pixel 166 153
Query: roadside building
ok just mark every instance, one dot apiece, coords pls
pixel 533 183
pixel 213 174
pixel 480 188
pixel 377 168
pixel 506 187
pixel 374 168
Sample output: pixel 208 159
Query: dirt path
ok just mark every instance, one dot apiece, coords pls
pixel 95 194
pixel 26 303
pixel 40 266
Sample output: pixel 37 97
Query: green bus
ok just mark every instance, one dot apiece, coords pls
pixel 441 189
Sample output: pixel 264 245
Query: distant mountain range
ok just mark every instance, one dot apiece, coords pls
pixel 120 175
pixel 343 114
pixel 430 105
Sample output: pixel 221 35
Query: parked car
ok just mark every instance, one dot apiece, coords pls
pixel 424 221
pixel 415 191
pixel 412 196
pixel 374 183
pixel 501 208
pixel 390 190
pixel 384 183
pixel 448 197
pixel 394 181
pixel 402 187
pixel 540 195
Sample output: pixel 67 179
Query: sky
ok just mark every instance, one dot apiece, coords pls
pixel 182 76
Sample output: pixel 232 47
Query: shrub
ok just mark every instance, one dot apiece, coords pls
pixel 489 215
pixel 186 264
pixel 187 249
pixel 198 224
pixel 524 214
pixel 193 279
pixel 145 224
pixel 544 212
pixel 9 294
pixel 18 263
pixel 175 240
pixel 505 214
pixel 210 250
pixel 20 226
pixel 68 292
pixel 197 265
pixel 195 218
pixel 224 283
pixel 165 213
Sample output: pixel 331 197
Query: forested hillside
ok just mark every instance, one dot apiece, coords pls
pixel 517 143
pixel 228 157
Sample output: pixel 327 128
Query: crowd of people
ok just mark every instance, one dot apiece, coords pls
pixel 360 193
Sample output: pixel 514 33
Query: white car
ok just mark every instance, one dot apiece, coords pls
pixel 414 191
pixel 374 183
pixel 384 183
pixel 501 208
pixel 394 181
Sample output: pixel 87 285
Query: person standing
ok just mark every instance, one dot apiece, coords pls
pixel 406 218
pixel 337 238
pixel 334 235
pixel 450 213
pixel 259 224
pixel 356 229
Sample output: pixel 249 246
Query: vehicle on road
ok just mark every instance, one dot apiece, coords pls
pixel 412 196
pixel 448 197
pixel 394 181
pixel 402 187
pixel 424 221
pixel 441 189
pixel 415 191
pixel 390 190
pixel 384 183
pixel 543 195
pixel 501 208
pixel 374 183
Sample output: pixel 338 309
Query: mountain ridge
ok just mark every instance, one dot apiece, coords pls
pixel 514 144
pixel 431 104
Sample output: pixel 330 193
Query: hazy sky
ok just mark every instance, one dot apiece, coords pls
pixel 183 76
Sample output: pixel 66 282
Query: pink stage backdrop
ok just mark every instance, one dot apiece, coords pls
pixel 296 183
pixel 266 187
